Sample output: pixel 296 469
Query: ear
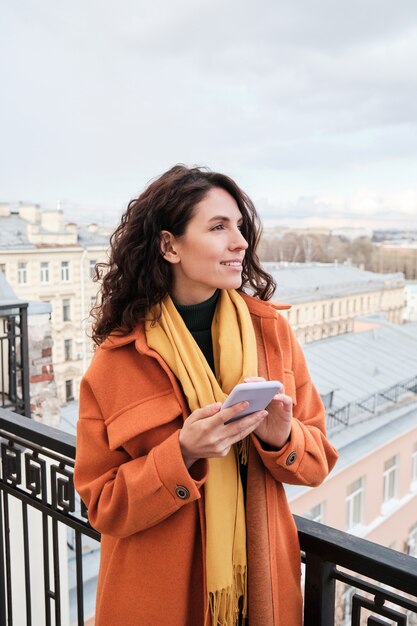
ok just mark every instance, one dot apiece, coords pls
pixel 168 247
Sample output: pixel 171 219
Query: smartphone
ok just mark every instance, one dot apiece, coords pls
pixel 259 395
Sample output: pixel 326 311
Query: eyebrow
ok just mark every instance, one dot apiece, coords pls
pixel 223 218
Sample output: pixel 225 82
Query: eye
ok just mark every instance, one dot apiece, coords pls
pixel 240 226
pixel 218 227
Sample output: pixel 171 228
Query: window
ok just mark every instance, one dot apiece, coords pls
pixel 65 271
pixel 3 268
pixel 316 514
pixel 69 390
pixel 414 465
pixel 66 310
pixel 22 273
pixel 68 349
pixel 45 272
pixel 390 478
pixel 412 541
pixel 93 263
pixel 354 502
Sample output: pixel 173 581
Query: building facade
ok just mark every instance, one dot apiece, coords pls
pixel 46 260
pixel 327 298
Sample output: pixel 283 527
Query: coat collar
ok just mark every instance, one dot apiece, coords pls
pixel 116 340
pixel 261 308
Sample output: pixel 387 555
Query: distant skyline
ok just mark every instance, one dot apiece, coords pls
pixel 310 106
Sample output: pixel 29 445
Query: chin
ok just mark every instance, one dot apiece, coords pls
pixel 235 284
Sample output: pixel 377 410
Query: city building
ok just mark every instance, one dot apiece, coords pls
pixel 46 260
pixel 327 298
pixel 368 382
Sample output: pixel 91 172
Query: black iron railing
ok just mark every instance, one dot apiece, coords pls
pixel 383 581
pixel 14 356
pixel 45 537
pixel 40 515
pixel 359 410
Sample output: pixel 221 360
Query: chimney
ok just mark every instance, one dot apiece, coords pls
pixel 30 213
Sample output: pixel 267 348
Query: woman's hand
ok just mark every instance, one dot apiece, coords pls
pixel 275 429
pixel 205 434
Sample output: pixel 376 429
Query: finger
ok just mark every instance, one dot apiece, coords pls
pixel 238 426
pixel 254 379
pixel 226 414
pixel 281 397
pixel 205 412
pixel 248 429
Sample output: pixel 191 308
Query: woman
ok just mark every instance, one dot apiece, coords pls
pixel 195 525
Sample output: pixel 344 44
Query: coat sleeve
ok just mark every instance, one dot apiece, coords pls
pixel 307 457
pixel 124 495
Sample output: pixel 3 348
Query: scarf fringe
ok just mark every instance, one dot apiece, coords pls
pixel 224 603
pixel 243 451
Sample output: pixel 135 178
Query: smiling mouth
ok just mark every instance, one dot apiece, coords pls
pixel 232 263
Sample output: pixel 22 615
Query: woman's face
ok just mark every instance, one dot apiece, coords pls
pixel 209 255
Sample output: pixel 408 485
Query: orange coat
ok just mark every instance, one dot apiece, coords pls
pixel 150 509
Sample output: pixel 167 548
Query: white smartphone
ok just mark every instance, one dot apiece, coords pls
pixel 259 395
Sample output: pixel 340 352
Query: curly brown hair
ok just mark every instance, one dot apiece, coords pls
pixel 137 277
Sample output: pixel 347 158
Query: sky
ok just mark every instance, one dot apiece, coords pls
pixel 310 105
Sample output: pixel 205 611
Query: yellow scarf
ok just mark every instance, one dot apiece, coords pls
pixel 235 357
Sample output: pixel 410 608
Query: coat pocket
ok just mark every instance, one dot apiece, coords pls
pixel 289 385
pixel 141 418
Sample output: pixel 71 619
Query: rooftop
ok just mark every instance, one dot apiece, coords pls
pixel 297 282
pixel 17 233
pixel 355 365
pixel 13 233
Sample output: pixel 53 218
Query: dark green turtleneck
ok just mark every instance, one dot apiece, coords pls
pixel 198 318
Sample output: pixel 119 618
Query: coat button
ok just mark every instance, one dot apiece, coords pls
pixel 182 492
pixel 291 458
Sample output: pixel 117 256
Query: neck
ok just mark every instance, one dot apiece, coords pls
pixel 188 299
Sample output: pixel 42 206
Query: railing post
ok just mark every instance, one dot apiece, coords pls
pixel 2 567
pixel 319 592
pixel 24 359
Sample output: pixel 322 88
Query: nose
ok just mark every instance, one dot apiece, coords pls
pixel 238 242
